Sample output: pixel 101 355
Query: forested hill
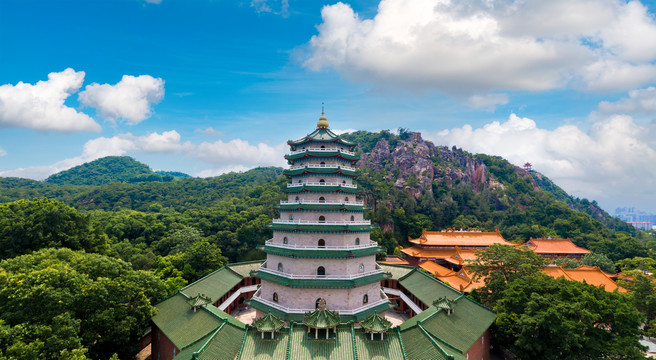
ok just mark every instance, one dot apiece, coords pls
pixel 111 169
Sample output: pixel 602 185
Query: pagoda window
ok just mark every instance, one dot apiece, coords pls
pixel 352 218
pixel 275 297
pixel 321 271
pixel 284 240
pixel 299 181
pixel 322 219
pixel 322 199
pixel 322 181
pixel 346 199
pixel 344 182
pixel 322 243
pixel 361 268
pixel 280 267
pixel 365 299
pixel 291 217
pixel 316 303
pixel 357 241
pixel 322 164
pixel 297 198
pixel 323 146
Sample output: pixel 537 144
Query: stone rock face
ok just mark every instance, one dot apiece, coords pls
pixel 414 163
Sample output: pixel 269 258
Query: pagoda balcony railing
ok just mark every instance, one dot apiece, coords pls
pixel 384 300
pixel 263 268
pixel 322 150
pixel 371 244
pixel 352 186
pixel 318 222
pixel 319 166
pixel 301 202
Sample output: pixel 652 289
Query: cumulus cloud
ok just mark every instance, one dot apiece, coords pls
pixel 209 131
pixel 642 101
pixel 166 142
pixel 240 152
pixel 130 99
pixel 615 156
pixel 474 46
pixel 488 102
pixel 41 106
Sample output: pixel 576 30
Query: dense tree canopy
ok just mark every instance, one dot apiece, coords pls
pixel 59 300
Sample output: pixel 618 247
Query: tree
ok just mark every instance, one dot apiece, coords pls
pixel 600 260
pixel 545 318
pixel 57 300
pixel 28 225
pixel 500 264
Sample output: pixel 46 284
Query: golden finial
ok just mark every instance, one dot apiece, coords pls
pixel 323 122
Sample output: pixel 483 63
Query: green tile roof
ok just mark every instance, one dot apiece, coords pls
pixel 323 154
pixel 321 318
pixel 388 348
pixel 397 271
pixel 419 346
pixel 256 348
pixel 463 327
pixel 304 348
pixel 320 253
pixel 320 135
pixel 181 324
pixel 320 170
pixel 214 285
pixel 224 345
pixel 426 288
pixel 326 207
pixel 268 322
pixel 376 323
pixel 244 268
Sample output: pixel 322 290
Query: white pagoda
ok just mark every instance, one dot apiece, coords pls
pixel 321 251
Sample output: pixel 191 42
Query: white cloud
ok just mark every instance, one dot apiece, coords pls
pixel 166 142
pixel 488 102
pixel 3 153
pixel 639 101
pixel 474 46
pixel 611 162
pixel 240 152
pixel 41 106
pixel 344 131
pixel 222 170
pixel 130 99
pixel 209 131
pixel 264 6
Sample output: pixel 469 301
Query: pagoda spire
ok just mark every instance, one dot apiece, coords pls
pixel 323 121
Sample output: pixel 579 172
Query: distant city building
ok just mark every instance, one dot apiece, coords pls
pixel 639 219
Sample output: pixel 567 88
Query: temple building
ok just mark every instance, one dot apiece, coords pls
pixel 320 294
pixel 450 246
pixel 321 250
pixel 557 248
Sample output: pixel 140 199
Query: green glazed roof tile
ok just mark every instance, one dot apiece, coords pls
pixel 426 288
pixel 322 227
pixel 304 348
pixel 268 322
pixel 322 283
pixel 387 349
pixel 324 189
pixel 214 285
pixel 224 345
pixel 320 135
pixel 322 154
pixel 320 253
pixel 325 207
pixel 397 271
pixel 321 319
pixel 244 268
pixel 256 348
pixel 376 323
pixel 320 170
pixel 418 346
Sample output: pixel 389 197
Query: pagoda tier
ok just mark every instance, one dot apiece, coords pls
pixel 321 246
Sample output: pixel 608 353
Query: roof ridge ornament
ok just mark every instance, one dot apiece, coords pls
pixel 323 121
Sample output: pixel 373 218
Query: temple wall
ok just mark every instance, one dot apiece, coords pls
pixel 162 348
pixel 481 348
pixel 301 266
pixel 329 215
pixel 312 239
pixel 336 299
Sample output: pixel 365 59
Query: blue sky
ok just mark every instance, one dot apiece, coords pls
pixel 207 87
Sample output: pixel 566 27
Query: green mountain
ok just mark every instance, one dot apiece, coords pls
pixel 112 169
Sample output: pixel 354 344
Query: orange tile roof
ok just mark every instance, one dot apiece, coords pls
pixel 416 251
pixel 459 280
pixel 393 259
pixel 555 246
pixel 459 238
pixel 591 275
